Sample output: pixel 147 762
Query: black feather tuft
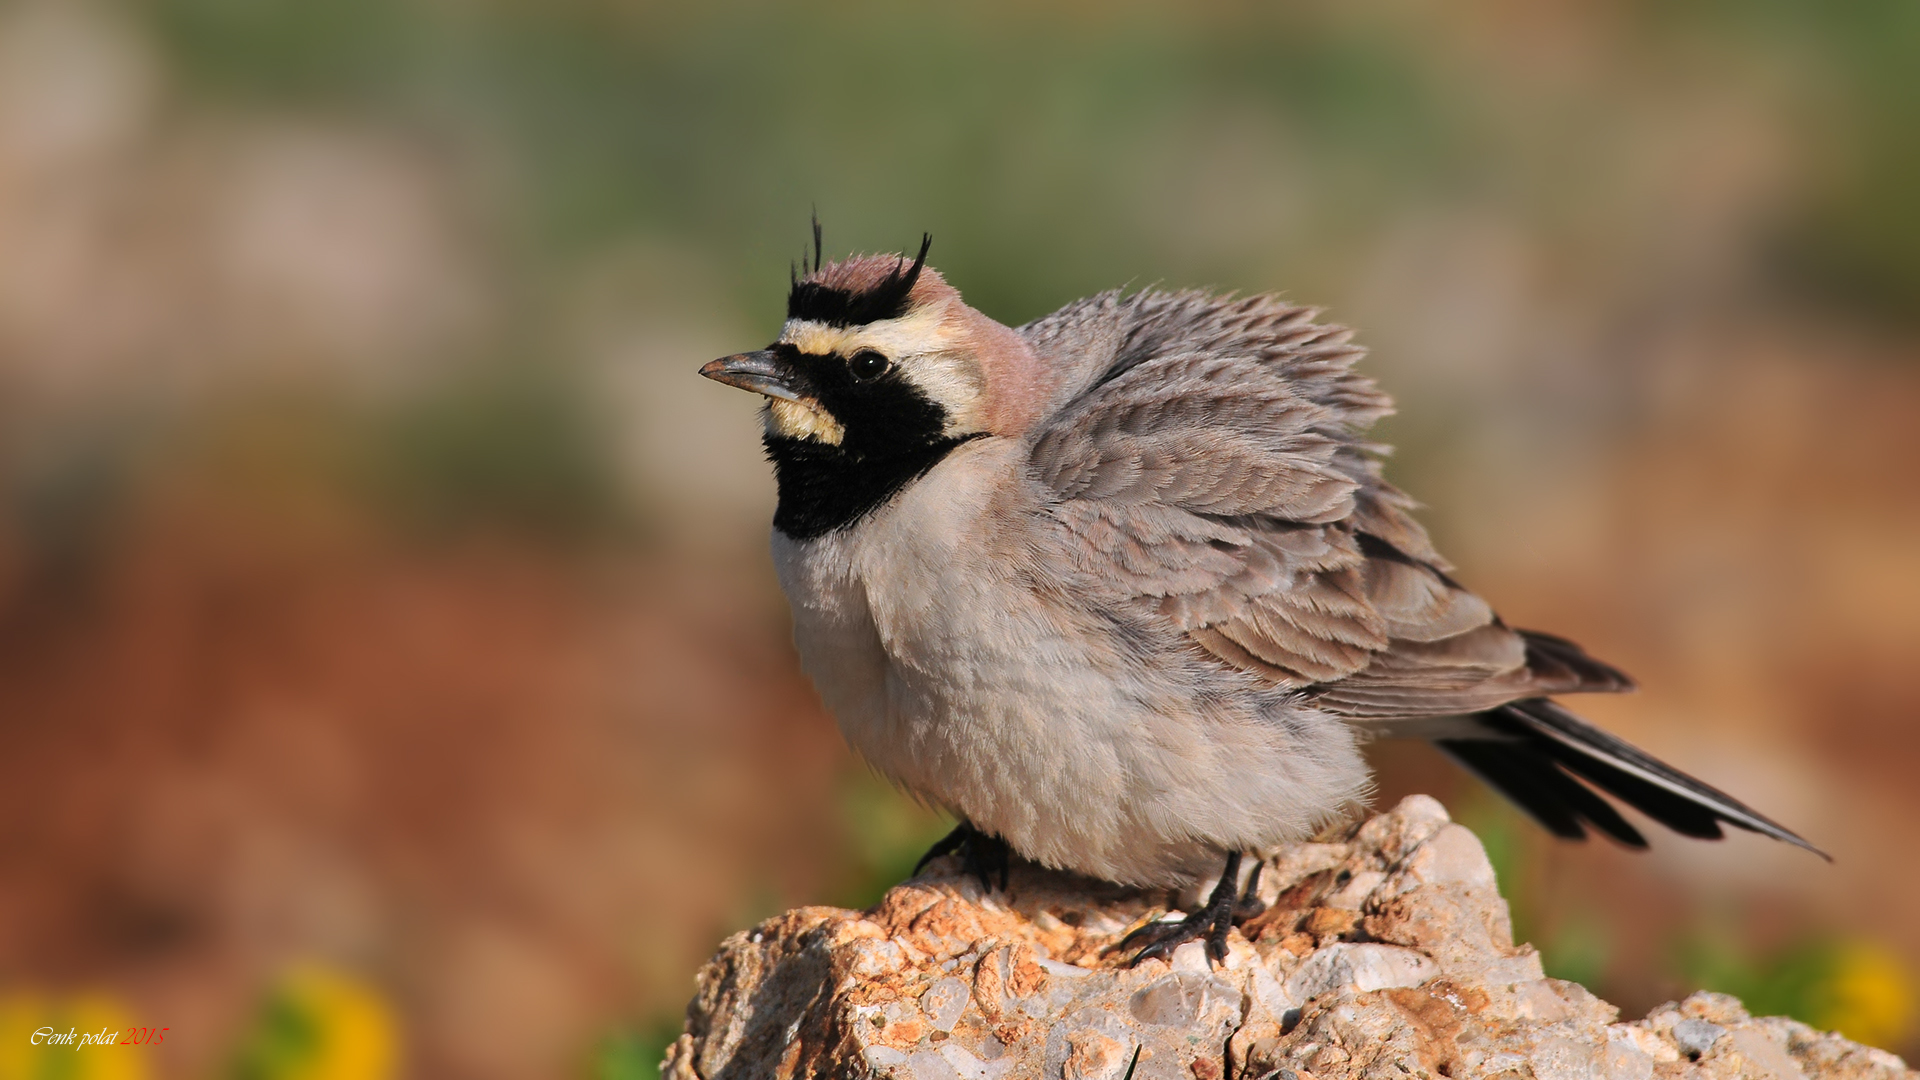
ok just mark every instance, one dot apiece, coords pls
pixel 834 306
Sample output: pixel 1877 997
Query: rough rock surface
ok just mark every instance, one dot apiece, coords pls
pixel 1385 953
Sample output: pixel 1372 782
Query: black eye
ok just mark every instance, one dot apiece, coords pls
pixel 867 365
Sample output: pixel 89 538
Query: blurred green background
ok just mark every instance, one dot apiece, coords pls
pixel 392 680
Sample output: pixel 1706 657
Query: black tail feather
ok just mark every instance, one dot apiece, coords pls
pixel 1561 804
pixel 1679 814
pixel 1494 763
pixel 1534 749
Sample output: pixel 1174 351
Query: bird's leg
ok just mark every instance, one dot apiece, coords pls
pixel 1210 923
pixel 1250 903
pixel 986 855
pixel 981 854
pixel 946 845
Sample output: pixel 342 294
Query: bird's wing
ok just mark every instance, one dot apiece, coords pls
pixel 1213 468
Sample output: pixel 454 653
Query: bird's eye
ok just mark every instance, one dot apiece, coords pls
pixel 867 365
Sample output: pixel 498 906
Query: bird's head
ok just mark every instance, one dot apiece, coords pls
pixel 879 354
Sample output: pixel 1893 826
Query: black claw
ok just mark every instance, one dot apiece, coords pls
pixel 1160 940
pixel 981 854
pixel 1209 924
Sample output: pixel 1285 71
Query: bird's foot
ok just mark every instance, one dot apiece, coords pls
pixel 1210 923
pixel 981 854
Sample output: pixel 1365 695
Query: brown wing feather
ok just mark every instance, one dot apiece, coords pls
pixel 1214 467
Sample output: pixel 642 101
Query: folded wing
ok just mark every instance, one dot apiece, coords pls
pixel 1215 467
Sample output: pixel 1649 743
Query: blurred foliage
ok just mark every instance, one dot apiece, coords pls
pixel 725 122
pixel 1088 127
pixel 1579 949
pixel 22 1013
pixel 509 446
pixel 65 505
pixel 321 1024
pixel 886 835
pixel 635 1054
pixel 1854 986
pixel 1855 235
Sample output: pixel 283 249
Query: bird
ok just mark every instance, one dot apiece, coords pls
pixel 1125 591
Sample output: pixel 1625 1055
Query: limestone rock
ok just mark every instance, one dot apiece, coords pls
pixel 1385 953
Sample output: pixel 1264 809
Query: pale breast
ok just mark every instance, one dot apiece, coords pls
pixel 958 666
pixel 925 638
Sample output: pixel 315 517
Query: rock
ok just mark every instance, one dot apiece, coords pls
pixel 1385 953
pixel 1696 1037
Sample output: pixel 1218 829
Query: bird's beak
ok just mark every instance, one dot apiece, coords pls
pixel 762 372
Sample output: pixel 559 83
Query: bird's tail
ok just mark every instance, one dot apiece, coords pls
pixel 1536 753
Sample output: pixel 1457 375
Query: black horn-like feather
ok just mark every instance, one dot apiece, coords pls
pixel 819 301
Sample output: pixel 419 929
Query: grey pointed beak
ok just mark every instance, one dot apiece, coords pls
pixel 762 372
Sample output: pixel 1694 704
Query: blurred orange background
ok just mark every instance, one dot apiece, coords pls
pixel 392 678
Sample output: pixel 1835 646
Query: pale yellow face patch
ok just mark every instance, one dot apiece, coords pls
pixel 924 345
pixel 801 420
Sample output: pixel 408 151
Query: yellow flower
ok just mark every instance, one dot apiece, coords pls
pixel 322 1024
pixel 1868 996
